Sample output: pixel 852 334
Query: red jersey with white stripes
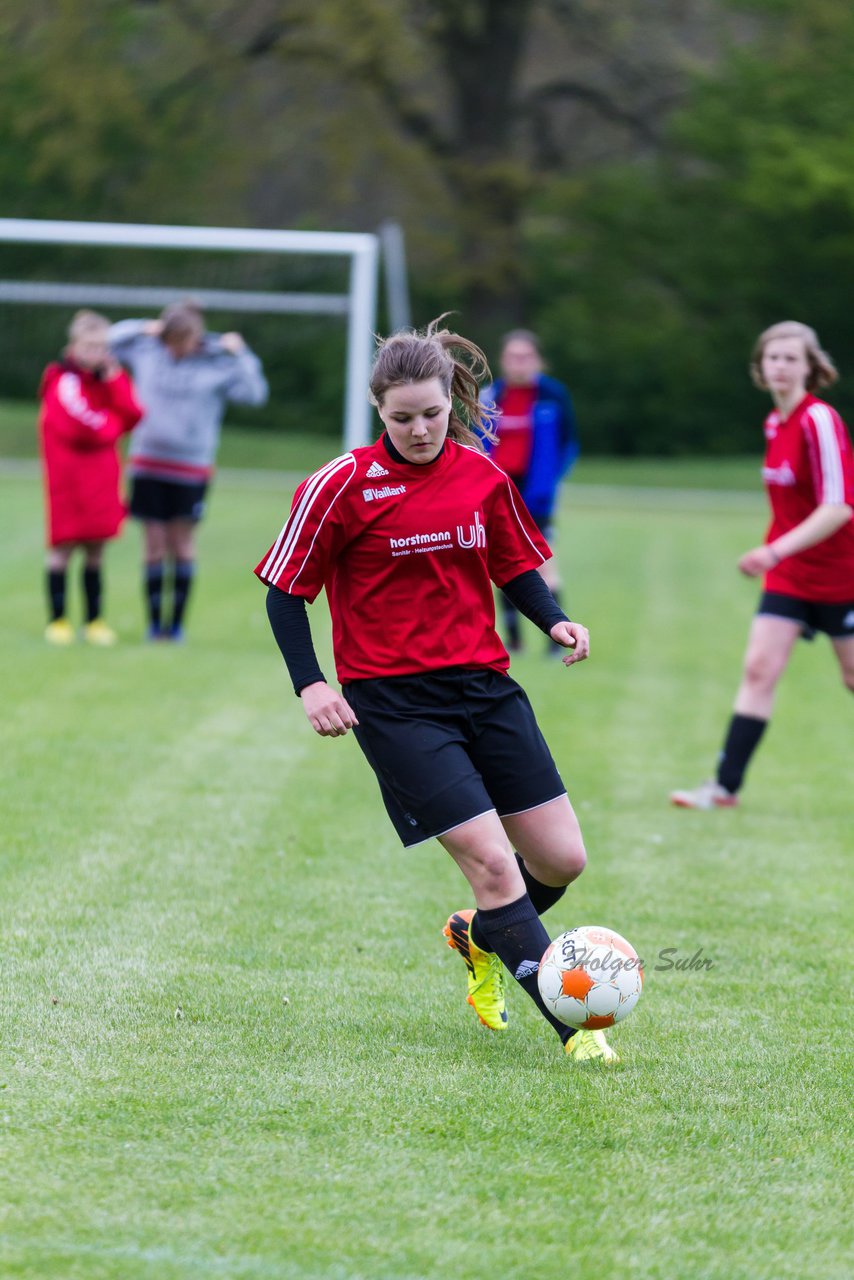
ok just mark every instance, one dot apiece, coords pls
pixel 82 418
pixel 407 555
pixel 809 461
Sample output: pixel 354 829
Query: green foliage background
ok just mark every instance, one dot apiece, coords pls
pixel 646 184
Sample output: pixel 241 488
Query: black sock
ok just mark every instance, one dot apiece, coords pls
pixel 154 592
pixel 742 739
pixel 92 591
pixel 517 936
pixel 183 581
pixel 511 623
pixel 56 593
pixel 542 895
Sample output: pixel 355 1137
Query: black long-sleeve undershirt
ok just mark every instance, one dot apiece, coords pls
pixel 289 620
pixel 528 593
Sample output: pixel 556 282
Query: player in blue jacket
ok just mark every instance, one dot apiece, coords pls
pixel 537 443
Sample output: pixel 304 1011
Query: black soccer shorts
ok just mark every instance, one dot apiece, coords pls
pixel 450 745
pixel 835 620
pixel 165 500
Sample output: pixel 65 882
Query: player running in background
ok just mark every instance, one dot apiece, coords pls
pixel 808 554
pixel 407 536
pixel 185 377
pixel 87 403
pixel 536 444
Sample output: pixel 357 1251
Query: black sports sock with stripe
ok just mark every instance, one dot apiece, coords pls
pixel 184 572
pixel 56 593
pixel 743 737
pixel 542 895
pixel 154 593
pixel 92 591
pixel 517 936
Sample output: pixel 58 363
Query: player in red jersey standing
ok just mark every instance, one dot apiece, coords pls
pixel 87 403
pixel 407 536
pixel 537 445
pixel 808 554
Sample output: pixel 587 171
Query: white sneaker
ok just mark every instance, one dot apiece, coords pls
pixel 709 795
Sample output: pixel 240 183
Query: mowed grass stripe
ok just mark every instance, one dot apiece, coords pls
pixel 222 859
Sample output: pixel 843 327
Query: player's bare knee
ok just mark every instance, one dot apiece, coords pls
pixel 494 868
pixel 577 860
pixel 573 860
pixel 761 672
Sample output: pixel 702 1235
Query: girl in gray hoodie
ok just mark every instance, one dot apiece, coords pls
pixel 184 377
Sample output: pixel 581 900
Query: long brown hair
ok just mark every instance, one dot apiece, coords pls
pixel 459 365
pixel 822 369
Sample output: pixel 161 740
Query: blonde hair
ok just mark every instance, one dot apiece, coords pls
pixel 822 369
pixel 85 322
pixel 458 364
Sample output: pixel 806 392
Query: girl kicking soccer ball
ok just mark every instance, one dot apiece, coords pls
pixel 407 536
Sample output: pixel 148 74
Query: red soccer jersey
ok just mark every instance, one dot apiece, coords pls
pixel 808 461
pixel 515 430
pixel 407 555
pixel 80 422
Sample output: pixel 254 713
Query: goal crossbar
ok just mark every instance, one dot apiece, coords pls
pixel 53 293
pixel 359 304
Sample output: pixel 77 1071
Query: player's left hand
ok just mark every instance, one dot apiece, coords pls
pixel 574 637
pixel 758 561
pixel 232 343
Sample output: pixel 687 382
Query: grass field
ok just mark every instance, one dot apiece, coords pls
pixel 233 1041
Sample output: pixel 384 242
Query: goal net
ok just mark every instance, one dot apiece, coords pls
pixel 305 301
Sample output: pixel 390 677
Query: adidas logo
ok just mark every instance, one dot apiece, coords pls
pixel 375 470
pixel 526 969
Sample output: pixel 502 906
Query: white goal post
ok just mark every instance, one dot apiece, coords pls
pixel 359 304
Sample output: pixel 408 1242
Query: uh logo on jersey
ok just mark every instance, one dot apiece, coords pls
pixel 474 536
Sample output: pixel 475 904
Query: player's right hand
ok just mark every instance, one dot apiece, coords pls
pixel 329 713
pixel 573 636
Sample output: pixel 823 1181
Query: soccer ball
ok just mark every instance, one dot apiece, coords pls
pixel 590 977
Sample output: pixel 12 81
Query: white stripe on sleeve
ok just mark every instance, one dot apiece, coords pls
pixel 830 459
pixel 276 547
pixel 74 402
pixel 289 537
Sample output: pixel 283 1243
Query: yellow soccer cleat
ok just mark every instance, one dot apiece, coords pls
pixel 59 632
pixel 485 972
pixel 590 1046
pixel 99 634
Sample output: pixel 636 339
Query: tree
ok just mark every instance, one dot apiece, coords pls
pixel 104 115
pixel 451 114
pixel 652 282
